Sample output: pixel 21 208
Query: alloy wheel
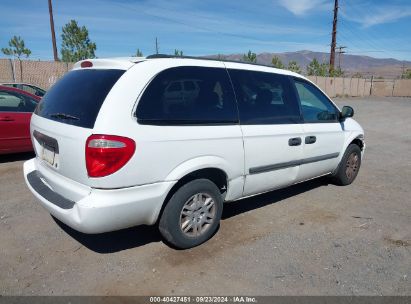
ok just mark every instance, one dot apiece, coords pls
pixel 197 214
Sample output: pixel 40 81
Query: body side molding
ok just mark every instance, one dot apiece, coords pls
pixel 267 168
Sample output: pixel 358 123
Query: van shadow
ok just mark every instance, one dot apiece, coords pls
pixel 134 237
pixel 7 158
pixel 115 241
pixel 234 208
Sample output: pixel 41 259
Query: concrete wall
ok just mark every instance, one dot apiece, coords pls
pixel 357 87
pixel 330 86
pixel 382 87
pixel 339 86
pixel 362 87
pixel 46 73
pixel 402 88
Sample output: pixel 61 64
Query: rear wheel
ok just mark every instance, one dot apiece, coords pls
pixel 192 214
pixel 349 166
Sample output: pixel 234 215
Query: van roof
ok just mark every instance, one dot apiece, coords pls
pixel 127 62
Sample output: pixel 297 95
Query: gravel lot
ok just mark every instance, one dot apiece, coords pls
pixel 311 239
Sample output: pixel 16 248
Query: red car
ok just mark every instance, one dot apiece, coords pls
pixel 16 108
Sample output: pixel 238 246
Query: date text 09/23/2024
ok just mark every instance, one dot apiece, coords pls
pixel 205 299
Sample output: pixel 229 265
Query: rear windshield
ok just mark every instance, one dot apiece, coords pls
pixel 76 99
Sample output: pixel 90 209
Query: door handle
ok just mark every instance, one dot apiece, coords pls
pixel 296 141
pixel 6 118
pixel 310 140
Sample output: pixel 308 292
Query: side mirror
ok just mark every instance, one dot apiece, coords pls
pixel 346 112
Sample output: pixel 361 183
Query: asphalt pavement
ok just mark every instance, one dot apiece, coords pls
pixel 313 238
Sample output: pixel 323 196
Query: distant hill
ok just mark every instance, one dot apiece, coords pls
pixel 367 66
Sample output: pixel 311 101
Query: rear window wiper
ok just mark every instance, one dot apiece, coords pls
pixel 64 116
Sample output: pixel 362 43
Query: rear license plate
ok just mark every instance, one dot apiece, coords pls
pixel 48 155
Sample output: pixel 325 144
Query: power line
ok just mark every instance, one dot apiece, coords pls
pixel 367 37
pixel 202 28
pixel 360 37
pixel 371 11
pixel 364 38
pixel 189 25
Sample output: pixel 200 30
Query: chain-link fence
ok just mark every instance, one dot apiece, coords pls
pixel 41 73
pixel 45 73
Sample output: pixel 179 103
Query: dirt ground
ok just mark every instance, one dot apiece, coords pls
pixel 311 239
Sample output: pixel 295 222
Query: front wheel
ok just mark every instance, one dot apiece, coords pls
pixel 349 166
pixel 192 214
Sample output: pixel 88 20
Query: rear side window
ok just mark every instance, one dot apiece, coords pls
pixel 15 102
pixel 264 98
pixel 33 90
pixel 188 95
pixel 77 98
pixel 28 89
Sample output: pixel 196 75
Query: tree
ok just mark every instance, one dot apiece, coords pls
pixel 406 74
pixel 250 57
pixel 337 72
pixel 17 49
pixel 76 44
pixel 221 57
pixel 178 53
pixel 294 67
pixel 277 63
pixel 323 69
pixel 313 67
pixel 139 53
pixel 317 69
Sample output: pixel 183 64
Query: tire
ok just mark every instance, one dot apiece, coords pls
pixel 349 166
pixel 192 215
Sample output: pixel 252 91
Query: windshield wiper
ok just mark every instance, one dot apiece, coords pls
pixel 64 116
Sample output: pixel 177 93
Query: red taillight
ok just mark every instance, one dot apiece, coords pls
pixel 106 154
pixel 86 64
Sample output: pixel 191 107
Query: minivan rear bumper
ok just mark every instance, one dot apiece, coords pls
pixel 101 210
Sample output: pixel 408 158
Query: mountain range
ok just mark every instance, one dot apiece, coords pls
pixel 350 64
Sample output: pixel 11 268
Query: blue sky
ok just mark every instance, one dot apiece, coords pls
pixel 375 28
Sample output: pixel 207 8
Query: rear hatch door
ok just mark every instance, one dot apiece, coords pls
pixel 65 118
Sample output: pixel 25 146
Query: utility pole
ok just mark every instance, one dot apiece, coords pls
pixel 340 52
pixel 156 46
pixel 334 37
pixel 53 34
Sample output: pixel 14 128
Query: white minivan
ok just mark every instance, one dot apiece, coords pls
pixel 114 149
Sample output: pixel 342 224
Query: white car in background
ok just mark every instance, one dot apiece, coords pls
pixel 180 93
pixel 111 153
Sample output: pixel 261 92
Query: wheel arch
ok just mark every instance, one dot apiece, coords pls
pixel 359 141
pixel 354 138
pixel 216 175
